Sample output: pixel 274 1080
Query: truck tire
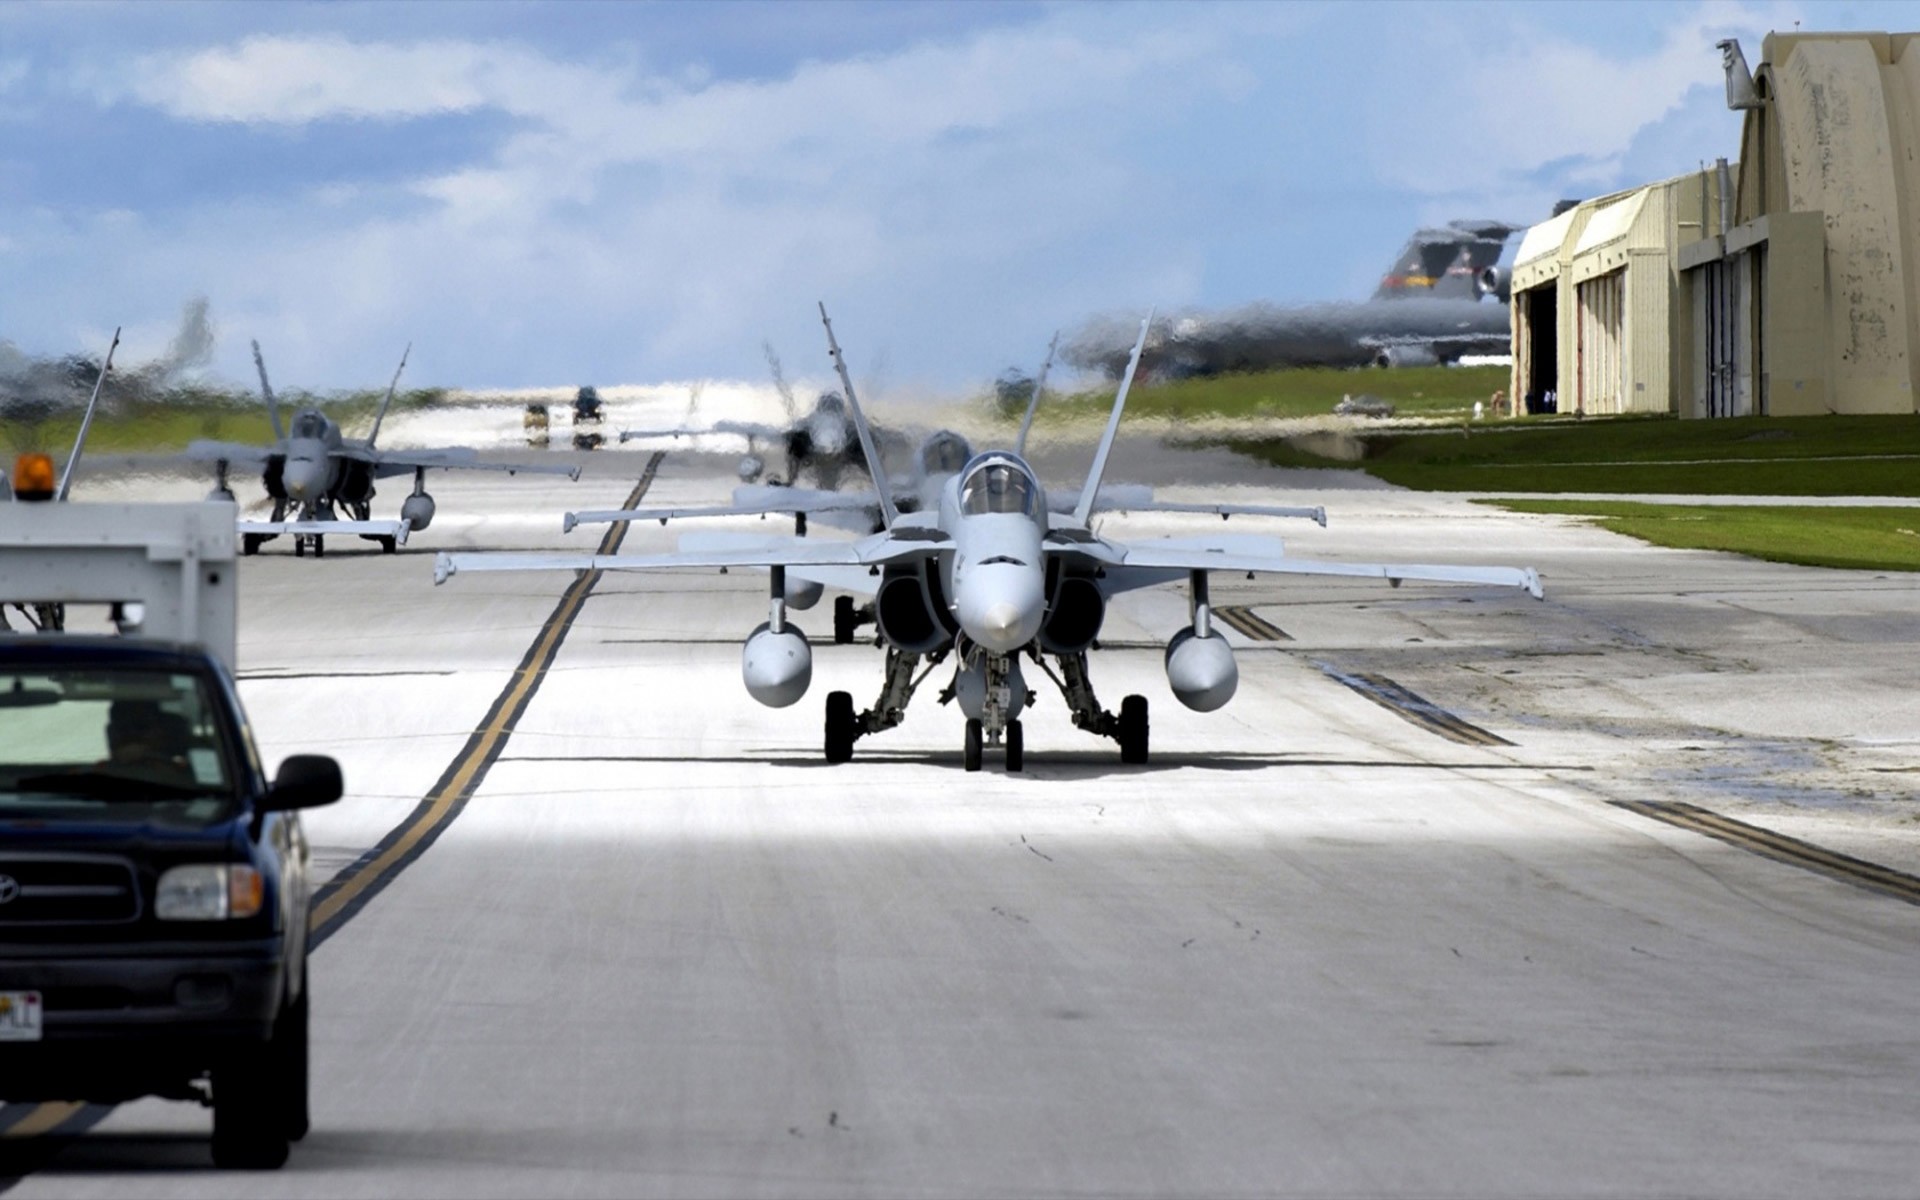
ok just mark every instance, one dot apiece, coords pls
pixel 249 1116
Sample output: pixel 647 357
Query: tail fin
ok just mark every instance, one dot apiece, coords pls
pixel 889 514
pixel 266 389
pixel 1446 261
pixel 1091 490
pixel 389 400
pixel 1033 401
pixel 86 421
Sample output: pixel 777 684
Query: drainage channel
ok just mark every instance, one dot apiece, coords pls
pixel 1415 709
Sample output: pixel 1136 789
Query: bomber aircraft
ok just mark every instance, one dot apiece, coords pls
pixel 989 577
pixel 311 470
pixel 1443 297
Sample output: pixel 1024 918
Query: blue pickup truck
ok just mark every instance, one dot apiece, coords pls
pixel 153 890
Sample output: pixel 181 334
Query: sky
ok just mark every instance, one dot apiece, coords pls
pixel 551 194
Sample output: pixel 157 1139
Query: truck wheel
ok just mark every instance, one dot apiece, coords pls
pixel 249 1126
pixel 290 1067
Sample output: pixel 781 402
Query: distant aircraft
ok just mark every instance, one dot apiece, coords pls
pixel 1443 297
pixel 992 575
pixel 311 470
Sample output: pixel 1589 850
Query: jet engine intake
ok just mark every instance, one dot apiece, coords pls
pixel 776 667
pixel 751 468
pixel 417 511
pixel 1074 615
pixel 906 616
pixel 1201 670
pixel 1496 283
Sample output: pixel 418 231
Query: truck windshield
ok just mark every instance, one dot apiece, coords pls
pixel 112 744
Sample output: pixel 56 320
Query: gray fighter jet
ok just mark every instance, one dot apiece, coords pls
pixel 1443 297
pixel 312 471
pixel 990 577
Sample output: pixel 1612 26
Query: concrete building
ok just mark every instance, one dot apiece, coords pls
pixel 1810 302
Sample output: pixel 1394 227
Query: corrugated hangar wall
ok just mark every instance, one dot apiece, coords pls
pixel 1809 302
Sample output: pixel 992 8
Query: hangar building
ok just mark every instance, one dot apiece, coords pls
pixel 1785 285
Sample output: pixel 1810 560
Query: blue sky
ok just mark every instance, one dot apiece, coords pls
pixel 551 194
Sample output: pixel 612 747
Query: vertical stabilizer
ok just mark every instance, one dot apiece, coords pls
pixel 86 421
pixel 266 389
pixel 888 512
pixel 1033 401
pixel 382 415
pixel 1090 491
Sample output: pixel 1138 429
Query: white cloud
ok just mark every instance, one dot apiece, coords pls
pixel 1523 99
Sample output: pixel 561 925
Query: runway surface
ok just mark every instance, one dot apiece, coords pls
pixel 1330 942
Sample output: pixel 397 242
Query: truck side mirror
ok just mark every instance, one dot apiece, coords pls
pixel 304 781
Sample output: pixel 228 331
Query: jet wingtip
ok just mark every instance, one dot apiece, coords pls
pixel 442 567
pixel 568 521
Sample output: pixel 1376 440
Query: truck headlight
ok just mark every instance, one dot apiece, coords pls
pixel 208 892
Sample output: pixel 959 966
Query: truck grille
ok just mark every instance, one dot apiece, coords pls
pixel 66 891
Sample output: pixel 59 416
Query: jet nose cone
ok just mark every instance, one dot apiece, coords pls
pixel 999 626
pixel 302 479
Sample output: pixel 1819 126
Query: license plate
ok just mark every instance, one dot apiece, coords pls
pixel 19 1016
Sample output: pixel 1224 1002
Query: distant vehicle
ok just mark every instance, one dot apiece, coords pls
pixel 312 471
pixel 1443 297
pixel 587 406
pixel 534 421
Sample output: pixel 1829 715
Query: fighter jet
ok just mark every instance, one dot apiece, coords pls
pixel 312 471
pixel 1443 297
pixel 990 578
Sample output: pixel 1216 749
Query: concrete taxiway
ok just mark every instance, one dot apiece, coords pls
pixel 1464 893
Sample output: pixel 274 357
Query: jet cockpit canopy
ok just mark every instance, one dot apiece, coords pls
pixel 997 484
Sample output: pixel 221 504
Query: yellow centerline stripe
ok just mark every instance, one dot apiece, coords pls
pixel 43 1119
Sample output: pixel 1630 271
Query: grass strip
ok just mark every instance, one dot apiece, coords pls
pixel 1853 538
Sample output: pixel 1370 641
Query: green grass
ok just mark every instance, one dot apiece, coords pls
pixel 1755 456
pixel 1305 392
pixel 1873 539
pixel 167 425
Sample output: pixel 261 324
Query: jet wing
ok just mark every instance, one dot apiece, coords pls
pixel 745 429
pixel 232 452
pixel 1143 564
pixel 397 530
pixel 877 550
pixel 388 463
pixel 795 501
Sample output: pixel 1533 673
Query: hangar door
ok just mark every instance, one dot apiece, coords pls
pixel 1723 323
pixel 1599 343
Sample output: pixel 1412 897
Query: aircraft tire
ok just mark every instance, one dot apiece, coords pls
pixel 249 543
pixel 1133 729
pixel 1016 747
pixel 971 753
pixel 843 621
pixel 388 545
pixel 319 546
pixel 840 727
pixel 299 546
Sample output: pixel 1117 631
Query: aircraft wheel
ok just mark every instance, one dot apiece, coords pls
pixel 840 727
pixel 249 543
pixel 1016 747
pixel 1133 729
pixel 389 545
pixel 971 755
pixel 319 546
pixel 299 546
pixel 843 622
